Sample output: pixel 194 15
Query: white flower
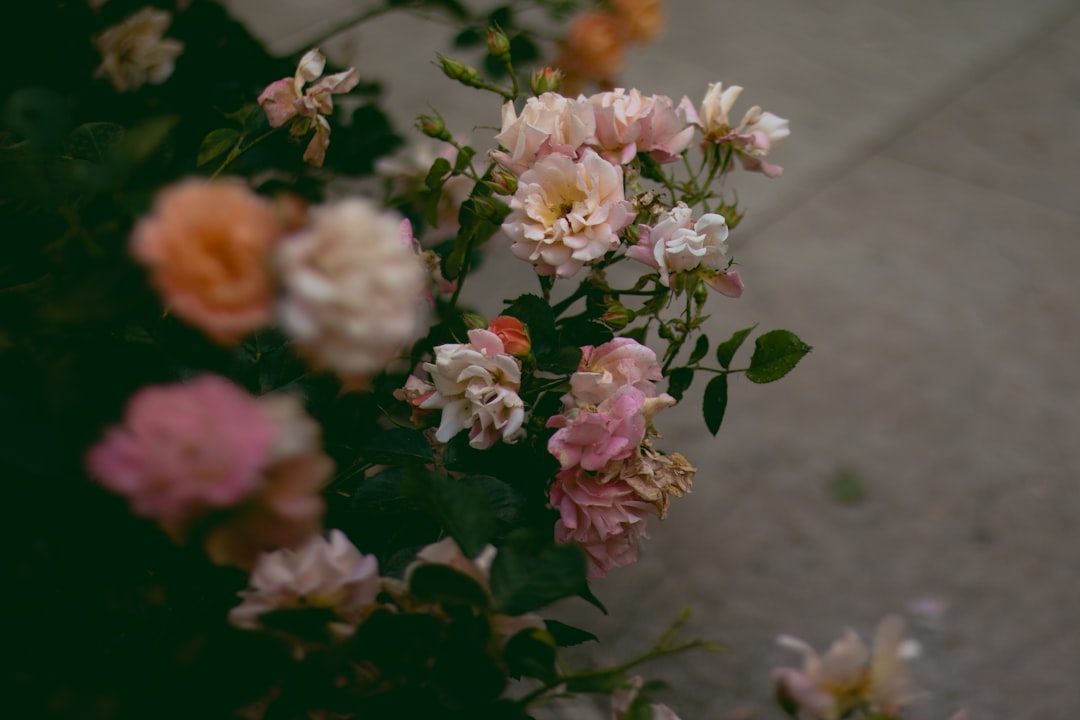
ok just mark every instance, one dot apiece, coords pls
pixel 548 124
pixel 352 289
pixel 134 52
pixel 850 675
pixel 566 213
pixel 678 243
pixel 752 138
pixel 324 574
pixel 476 387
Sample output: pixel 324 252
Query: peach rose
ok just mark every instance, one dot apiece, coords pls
pixel 207 245
pixel 643 19
pixel 594 47
pixel 512 333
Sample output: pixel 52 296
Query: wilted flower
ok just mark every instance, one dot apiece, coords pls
pixel 850 675
pixel 284 99
pixel 352 289
pixel 135 53
pixel 652 475
pixel 326 575
pixel 185 449
pixel 606 519
pixel 476 386
pixel 207 245
pixel 548 124
pixel 287 509
pixel 752 139
pixel 678 243
pixel 512 333
pixel 566 213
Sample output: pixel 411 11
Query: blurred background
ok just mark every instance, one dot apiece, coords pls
pixel 925 239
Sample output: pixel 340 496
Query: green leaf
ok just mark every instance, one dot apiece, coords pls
pixel 439 170
pixel 432 582
pixel 679 380
pixel 776 353
pixel 92 141
pixel 141 142
pixel 580 331
pixel 461 508
pixel 568 635
pixel 726 350
pixel 651 169
pixel 506 503
pixel 464 158
pixel 531 653
pixel 40 115
pixel 701 349
pixel 563 361
pixel 217 143
pixel 715 403
pixel 397 446
pixel 469 37
pixel 530 572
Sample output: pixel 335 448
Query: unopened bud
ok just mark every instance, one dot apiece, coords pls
pixel 617 316
pixel 701 294
pixel 474 320
pixel 546 80
pixel 498 44
pixel 731 215
pixel 503 183
pixel 457 70
pixel 433 126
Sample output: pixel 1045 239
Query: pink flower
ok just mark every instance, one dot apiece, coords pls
pixel 619 117
pixel 623 700
pixel 185 449
pixel 604 369
pixel 287 509
pixel 666 131
pixel 512 333
pixel 548 124
pixel 285 99
pixel 593 438
pixel 476 386
pixel 566 214
pixel 325 574
pixel 207 246
pixel 678 243
pixel 606 519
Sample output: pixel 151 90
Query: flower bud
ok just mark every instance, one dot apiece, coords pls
pixel 512 333
pixel 473 320
pixel 433 126
pixel 457 70
pixel 546 80
pixel 617 316
pixel 503 183
pixel 498 44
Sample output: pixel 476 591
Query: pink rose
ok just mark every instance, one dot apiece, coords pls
pixel 512 333
pixel 185 449
pixel 594 438
pixel 603 369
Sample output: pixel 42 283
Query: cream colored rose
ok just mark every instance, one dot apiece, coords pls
pixel 134 52
pixel 353 289
pixel 548 124
pixel 566 214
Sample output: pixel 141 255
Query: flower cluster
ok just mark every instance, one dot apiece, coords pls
pixel 751 139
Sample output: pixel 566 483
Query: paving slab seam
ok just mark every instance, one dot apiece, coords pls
pixel 908 122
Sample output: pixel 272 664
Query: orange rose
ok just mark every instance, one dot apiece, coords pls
pixel 512 333
pixel 594 47
pixel 644 19
pixel 207 246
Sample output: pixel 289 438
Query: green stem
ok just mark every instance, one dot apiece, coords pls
pixel 238 150
pixel 344 25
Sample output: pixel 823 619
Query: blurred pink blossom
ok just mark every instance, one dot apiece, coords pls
pixel 185 449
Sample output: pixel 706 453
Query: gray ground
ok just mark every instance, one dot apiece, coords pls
pixel 925 239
